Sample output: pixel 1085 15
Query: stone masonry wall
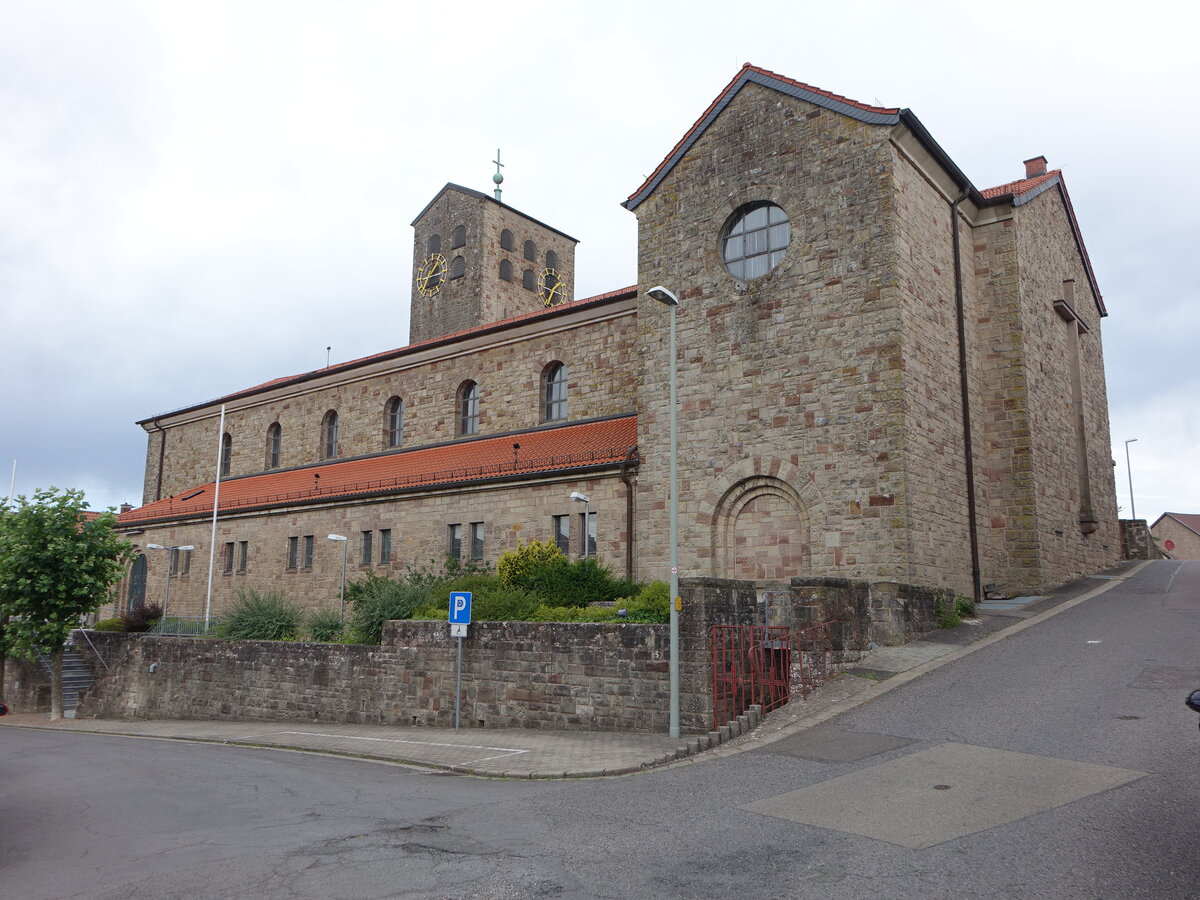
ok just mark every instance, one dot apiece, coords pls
pixel 932 511
pixel 419 522
pixel 480 296
pixel 1048 256
pixel 584 676
pixel 597 350
pixel 789 384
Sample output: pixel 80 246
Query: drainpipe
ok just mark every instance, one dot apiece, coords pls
pixel 162 453
pixel 629 460
pixel 964 384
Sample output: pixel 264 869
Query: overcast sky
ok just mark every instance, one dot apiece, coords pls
pixel 198 197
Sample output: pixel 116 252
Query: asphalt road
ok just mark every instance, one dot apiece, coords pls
pixel 1057 763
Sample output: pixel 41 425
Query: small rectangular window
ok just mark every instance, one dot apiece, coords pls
pixel 587 522
pixel 243 556
pixel 173 559
pixel 187 560
pixel 385 546
pixel 366 548
pixel 227 559
pixel 308 551
pixel 293 557
pixel 456 536
pixel 477 541
pixel 562 533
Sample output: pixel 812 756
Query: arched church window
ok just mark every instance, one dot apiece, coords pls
pixel 506 240
pixel 137 583
pixel 434 244
pixel 531 251
pixel 551 259
pixel 226 454
pixel 505 270
pixel 458 267
pixel 329 435
pixel 460 237
pixel 529 280
pixel 755 240
pixel 274 445
pixel 468 408
pixel 393 429
pixel 554 393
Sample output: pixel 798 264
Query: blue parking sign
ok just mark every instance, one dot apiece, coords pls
pixel 460 608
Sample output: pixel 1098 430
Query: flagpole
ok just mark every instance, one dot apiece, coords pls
pixel 212 544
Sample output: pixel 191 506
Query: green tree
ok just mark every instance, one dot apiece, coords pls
pixel 56 565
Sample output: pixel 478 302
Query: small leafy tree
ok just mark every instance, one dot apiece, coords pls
pixel 56 566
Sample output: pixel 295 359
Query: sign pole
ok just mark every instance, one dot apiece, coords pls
pixel 460 618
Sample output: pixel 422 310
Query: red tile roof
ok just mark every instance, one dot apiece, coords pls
pixel 410 348
pixel 1021 186
pixel 586 445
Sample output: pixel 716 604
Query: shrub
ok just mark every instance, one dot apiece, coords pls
pixel 117 624
pixel 324 625
pixel 265 616
pixel 573 614
pixel 141 618
pixel 652 604
pixel 964 606
pixel 375 599
pixel 519 568
pixel 947 612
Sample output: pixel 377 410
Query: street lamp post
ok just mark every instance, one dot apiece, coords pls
pixel 345 542
pixel 1129 471
pixel 167 587
pixel 662 295
pixel 587 520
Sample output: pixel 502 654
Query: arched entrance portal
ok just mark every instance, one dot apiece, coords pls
pixel 760 531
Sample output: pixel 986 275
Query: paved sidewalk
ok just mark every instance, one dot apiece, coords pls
pixel 562 754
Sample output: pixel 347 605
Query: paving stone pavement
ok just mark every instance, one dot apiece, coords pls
pixel 558 754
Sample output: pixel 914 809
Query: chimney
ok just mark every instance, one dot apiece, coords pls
pixel 126 507
pixel 1035 167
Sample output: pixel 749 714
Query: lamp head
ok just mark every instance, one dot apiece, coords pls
pixel 186 547
pixel 155 547
pixel 580 498
pixel 337 537
pixel 662 295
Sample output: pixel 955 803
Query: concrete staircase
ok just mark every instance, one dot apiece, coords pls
pixel 77 677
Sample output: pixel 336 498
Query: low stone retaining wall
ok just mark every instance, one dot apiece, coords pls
pixel 26 687
pixel 584 676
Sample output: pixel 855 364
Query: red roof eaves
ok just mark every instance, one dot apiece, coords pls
pixel 587 445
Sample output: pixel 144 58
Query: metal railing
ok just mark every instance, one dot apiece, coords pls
pixel 84 633
pixel 186 626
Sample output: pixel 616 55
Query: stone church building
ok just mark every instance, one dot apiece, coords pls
pixel 884 373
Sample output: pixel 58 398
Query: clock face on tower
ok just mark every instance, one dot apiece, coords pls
pixel 551 288
pixel 431 274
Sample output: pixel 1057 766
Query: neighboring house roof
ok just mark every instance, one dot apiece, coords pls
pixel 1190 521
pixel 565 308
pixel 1016 192
pixel 587 445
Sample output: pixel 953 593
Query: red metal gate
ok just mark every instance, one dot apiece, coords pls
pixel 751 664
